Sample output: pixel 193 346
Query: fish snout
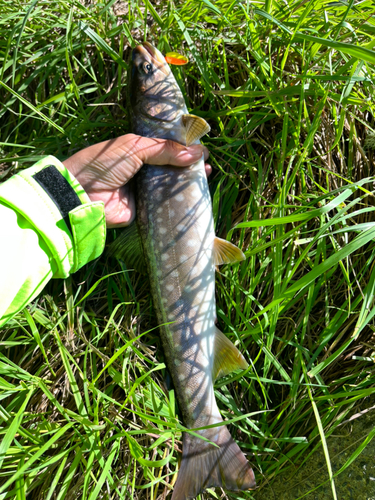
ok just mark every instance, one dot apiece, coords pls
pixel 155 54
pixel 148 53
pixel 139 52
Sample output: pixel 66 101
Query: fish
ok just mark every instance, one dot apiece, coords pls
pixel 173 240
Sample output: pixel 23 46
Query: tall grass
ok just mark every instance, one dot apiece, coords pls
pixel 287 88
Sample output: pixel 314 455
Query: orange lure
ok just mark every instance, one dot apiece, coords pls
pixel 176 59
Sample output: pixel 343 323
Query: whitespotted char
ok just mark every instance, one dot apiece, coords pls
pixel 173 237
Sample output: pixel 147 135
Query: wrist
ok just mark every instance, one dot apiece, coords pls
pixel 54 202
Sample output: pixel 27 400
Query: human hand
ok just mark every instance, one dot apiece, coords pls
pixel 104 169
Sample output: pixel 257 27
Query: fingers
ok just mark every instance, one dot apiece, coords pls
pixel 165 152
pixel 119 205
pixel 107 166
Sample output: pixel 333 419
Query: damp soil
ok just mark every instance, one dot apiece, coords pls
pixel 310 480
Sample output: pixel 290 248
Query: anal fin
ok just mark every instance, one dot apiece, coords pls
pixel 226 253
pixel 227 357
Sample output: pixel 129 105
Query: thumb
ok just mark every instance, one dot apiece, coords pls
pixel 164 152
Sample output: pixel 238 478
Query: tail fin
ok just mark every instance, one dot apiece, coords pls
pixel 204 466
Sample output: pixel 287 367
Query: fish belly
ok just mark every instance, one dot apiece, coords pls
pixel 176 226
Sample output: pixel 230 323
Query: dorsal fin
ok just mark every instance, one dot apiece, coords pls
pixel 196 127
pixel 226 253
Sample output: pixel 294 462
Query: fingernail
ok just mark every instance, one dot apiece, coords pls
pixel 196 149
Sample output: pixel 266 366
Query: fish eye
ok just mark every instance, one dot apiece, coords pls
pixel 147 68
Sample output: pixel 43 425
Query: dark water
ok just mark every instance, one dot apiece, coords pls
pixel 357 482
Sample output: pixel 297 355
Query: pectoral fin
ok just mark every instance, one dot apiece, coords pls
pixel 226 253
pixel 196 127
pixel 227 357
pixel 128 247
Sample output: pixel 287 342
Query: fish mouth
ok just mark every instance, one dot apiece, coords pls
pixel 151 54
pixel 151 50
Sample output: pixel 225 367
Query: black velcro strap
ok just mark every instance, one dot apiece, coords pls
pixel 59 190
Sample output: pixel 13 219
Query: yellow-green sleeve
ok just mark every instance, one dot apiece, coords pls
pixel 37 241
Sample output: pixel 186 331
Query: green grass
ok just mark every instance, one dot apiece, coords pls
pixel 287 88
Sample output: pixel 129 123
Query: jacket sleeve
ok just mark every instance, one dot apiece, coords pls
pixel 49 229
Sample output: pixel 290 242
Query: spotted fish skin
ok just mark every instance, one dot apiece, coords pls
pixel 175 222
pixel 176 226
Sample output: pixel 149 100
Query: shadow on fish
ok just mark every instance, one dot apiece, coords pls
pixel 173 241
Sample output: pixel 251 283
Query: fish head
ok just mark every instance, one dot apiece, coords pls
pixel 154 95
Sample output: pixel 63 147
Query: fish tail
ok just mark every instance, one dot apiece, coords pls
pixel 204 465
